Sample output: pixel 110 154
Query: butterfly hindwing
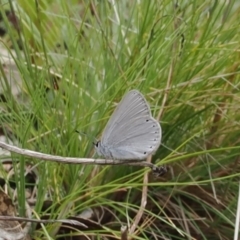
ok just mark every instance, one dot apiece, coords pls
pixel 131 132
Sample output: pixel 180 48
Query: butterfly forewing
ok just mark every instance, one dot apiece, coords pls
pixel 132 105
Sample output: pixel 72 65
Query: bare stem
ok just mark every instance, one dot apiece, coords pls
pixel 54 158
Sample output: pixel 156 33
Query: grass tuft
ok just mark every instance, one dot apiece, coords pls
pixel 70 64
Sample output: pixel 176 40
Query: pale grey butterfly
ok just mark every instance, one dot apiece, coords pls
pixel 131 132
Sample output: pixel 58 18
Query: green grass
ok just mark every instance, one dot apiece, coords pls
pixel 76 60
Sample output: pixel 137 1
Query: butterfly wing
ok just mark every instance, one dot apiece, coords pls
pixel 131 132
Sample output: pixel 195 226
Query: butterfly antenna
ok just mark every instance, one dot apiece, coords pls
pixel 85 134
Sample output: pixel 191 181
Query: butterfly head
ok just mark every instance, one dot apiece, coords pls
pixel 96 144
pixel 98 147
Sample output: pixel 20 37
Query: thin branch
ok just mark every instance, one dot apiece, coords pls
pixel 145 179
pixel 160 171
pixel 237 221
pixel 86 161
pixel 166 93
pixel 22 219
pixel 124 233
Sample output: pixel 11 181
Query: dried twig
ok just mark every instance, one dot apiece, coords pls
pixel 45 221
pixel 124 233
pixel 86 161
pixel 161 172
